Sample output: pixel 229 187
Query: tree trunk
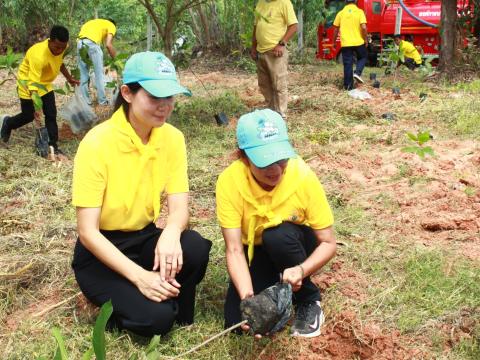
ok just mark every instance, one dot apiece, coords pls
pixel 448 36
pixel 196 28
pixel 300 28
pixel 205 26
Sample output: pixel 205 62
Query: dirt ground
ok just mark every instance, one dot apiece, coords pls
pixel 433 202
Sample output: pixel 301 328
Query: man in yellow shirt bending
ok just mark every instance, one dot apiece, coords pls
pixel 41 65
pixel 92 34
pixel 410 52
pixel 275 24
pixel 352 24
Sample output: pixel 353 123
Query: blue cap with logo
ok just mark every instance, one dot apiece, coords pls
pixel 155 73
pixel 263 136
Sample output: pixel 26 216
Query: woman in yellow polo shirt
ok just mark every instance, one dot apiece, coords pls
pixel 121 169
pixel 275 219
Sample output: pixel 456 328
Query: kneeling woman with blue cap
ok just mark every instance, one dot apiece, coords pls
pixel 121 169
pixel 275 220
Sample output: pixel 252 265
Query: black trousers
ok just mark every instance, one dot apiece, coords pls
pixel 411 64
pixel 27 115
pixel 283 246
pixel 131 309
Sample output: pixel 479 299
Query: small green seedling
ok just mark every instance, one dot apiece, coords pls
pixel 98 337
pixel 419 139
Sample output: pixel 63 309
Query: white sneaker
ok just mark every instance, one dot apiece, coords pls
pixel 358 78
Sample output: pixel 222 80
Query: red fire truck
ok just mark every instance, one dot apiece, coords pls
pixel 417 20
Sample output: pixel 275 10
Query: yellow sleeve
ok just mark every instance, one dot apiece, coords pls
pixel 291 17
pixel 363 19
pixel 318 213
pixel 111 28
pixel 89 176
pixel 229 212
pixel 35 69
pixel 177 165
pixel 337 20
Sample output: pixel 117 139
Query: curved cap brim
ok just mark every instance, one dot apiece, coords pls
pixel 164 88
pixel 265 155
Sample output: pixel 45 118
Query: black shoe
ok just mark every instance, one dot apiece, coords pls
pixel 308 320
pixel 4 132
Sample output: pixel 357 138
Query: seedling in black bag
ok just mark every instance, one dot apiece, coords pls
pixel 268 311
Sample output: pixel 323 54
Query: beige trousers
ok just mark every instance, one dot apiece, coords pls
pixel 272 74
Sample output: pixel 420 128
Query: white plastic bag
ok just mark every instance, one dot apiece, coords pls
pixel 78 113
pixel 359 94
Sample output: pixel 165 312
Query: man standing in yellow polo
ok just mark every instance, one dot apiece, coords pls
pixel 275 24
pixel 352 24
pixel 92 34
pixel 41 65
pixel 410 52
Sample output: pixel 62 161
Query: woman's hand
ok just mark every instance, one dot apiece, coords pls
pixel 293 276
pixel 154 288
pixel 168 254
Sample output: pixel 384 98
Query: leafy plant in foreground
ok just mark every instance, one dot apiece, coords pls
pixel 98 340
pixel 419 139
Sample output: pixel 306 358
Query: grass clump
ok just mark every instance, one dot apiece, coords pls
pixel 202 110
pixel 432 286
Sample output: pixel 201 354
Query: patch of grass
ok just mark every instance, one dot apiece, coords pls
pixel 432 285
pixel 202 110
pixel 467 120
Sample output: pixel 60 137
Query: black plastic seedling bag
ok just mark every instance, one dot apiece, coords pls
pixel 268 311
pixel 41 142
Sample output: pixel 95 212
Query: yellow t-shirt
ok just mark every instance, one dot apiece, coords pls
pixel 97 30
pixel 271 20
pixel 298 198
pixel 114 170
pixel 349 20
pixel 39 66
pixel 410 51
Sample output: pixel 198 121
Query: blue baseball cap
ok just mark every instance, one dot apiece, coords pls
pixel 155 73
pixel 263 136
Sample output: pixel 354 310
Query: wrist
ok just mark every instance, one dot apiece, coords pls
pixel 302 270
pixel 282 43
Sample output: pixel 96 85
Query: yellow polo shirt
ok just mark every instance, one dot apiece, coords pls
pixel 39 66
pixel 271 20
pixel 298 198
pixel 115 171
pixel 97 30
pixel 410 51
pixel 349 20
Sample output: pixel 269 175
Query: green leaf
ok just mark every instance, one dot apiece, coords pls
pixel 60 91
pixel 61 353
pixel 122 56
pixel 88 354
pixel 412 136
pixel 111 84
pixel 75 73
pixel 410 149
pixel 153 344
pixel 133 357
pixel 98 336
pixel 39 86
pixel 428 150
pixel 23 84
pixel 423 137
pixel 154 355
pixel 84 56
pixel 37 101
